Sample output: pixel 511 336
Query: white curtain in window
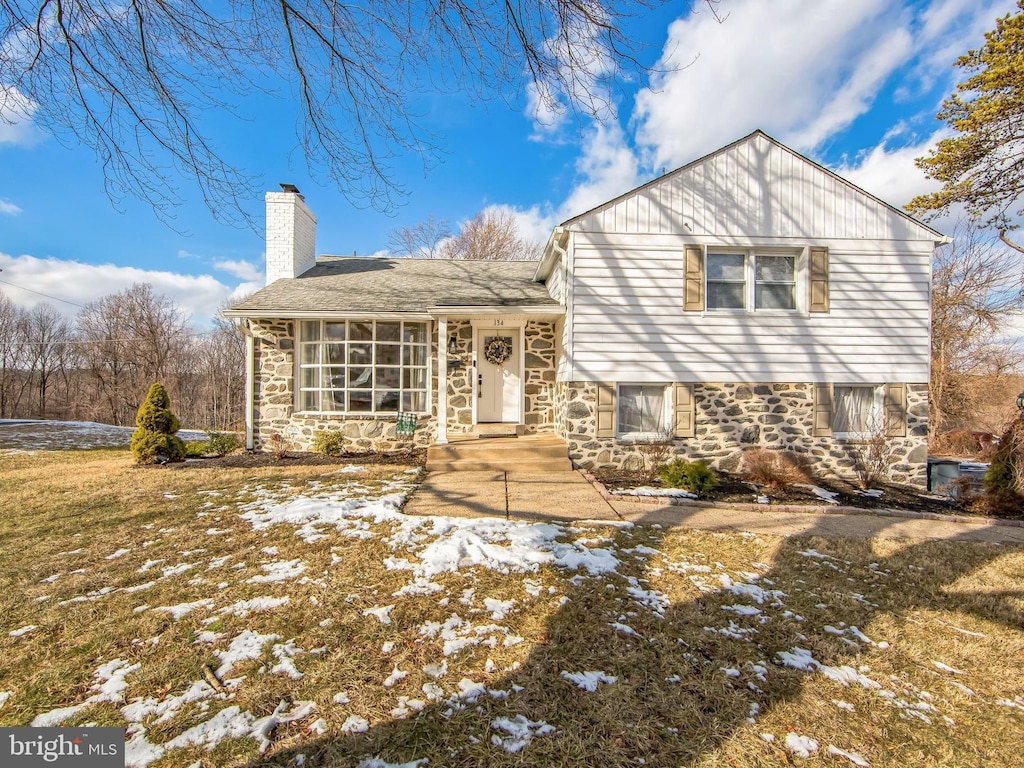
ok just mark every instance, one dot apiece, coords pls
pixel 854 409
pixel 641 408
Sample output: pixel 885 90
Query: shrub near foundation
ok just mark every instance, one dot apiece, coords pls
pixel 153 441
pixel 329 442
pixel 774 469
pixel 694 476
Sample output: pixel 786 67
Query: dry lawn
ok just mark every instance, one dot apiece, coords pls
pixel 690 625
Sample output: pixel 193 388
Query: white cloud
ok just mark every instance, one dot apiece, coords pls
pixel 889 172
pixel 7 208
pixel 607 168
pixel 243 270
pixel 16 111
pixel 799 70
pixel 79 283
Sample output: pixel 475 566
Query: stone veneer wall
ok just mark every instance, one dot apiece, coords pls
pixel 734 417
pixel 275 397
pixel 461 389
pixel 539 385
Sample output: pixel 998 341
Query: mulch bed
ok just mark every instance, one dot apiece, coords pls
pixel 300 458
pixel 733 490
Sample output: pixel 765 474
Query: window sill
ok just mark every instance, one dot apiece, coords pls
pixel 644 438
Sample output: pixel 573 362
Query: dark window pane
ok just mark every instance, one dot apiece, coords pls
pixel 361 378
pixel 416 332
pixel 414 401
pixel 388 354
pixel 334 378
pixel 309 378
pixel 334 331
pixel 388 378
pixel 387 400
pixel 725 295
pixel 360 354
pixel 726 266
pixel 775 296
pixel 414 355
pixel 389 332
pixel 360 331
pixel 334 353
pixel 778 269
pixel 360 401
pixel 414 378
pixel 310 401
pixel 310 330
pixel 310 353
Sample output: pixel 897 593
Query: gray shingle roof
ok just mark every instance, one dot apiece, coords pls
pixel 370 284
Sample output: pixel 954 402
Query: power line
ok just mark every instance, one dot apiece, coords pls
pixel 40 293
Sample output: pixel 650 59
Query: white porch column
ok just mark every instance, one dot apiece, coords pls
pixel 442 379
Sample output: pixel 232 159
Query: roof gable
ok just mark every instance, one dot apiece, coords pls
pixel 754 187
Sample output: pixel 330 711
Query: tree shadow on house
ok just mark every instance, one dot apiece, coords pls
pixel 690 672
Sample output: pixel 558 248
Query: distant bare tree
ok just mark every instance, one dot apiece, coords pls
pixel 50 354
pixel 976 286
pixel 420 240
pixel 13 356
pixel 492 234
pixel 129 340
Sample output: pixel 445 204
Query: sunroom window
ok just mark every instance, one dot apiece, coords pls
pixel 363 366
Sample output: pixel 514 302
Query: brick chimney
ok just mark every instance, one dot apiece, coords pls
pixel 291 234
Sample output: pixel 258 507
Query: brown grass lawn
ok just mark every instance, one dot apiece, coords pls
pixel 712 648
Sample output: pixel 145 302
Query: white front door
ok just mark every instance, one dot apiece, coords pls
pixel 499 391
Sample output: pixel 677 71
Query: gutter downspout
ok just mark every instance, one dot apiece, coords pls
pixel 250 381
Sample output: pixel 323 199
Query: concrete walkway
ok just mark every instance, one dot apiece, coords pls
pixel 567 496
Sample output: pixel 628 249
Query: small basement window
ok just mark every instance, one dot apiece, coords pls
pixel 857 411
pixel 642 410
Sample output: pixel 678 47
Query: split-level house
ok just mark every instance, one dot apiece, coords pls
pixel 751 298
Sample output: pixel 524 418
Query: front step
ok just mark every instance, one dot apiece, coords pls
pixel 533 453
pixel 498 430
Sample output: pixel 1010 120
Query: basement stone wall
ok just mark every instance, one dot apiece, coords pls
pixel 731 418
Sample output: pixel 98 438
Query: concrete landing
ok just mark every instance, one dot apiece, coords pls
pixel 559 495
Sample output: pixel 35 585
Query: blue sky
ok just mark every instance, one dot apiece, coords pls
pixel 854 85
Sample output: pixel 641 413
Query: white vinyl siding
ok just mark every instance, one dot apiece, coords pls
pixel 628 323
pixel 755 188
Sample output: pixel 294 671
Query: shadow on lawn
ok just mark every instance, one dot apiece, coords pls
pixel 644 715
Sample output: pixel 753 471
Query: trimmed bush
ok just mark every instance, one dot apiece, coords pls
pixel 694 476
pixel 153 441
pixel 329 442
pixel 196 449
pixel 222 443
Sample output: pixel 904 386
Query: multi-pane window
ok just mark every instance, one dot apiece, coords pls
pixel 641 409
pixel 363 366
pixel 745 280
pixel 857 411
